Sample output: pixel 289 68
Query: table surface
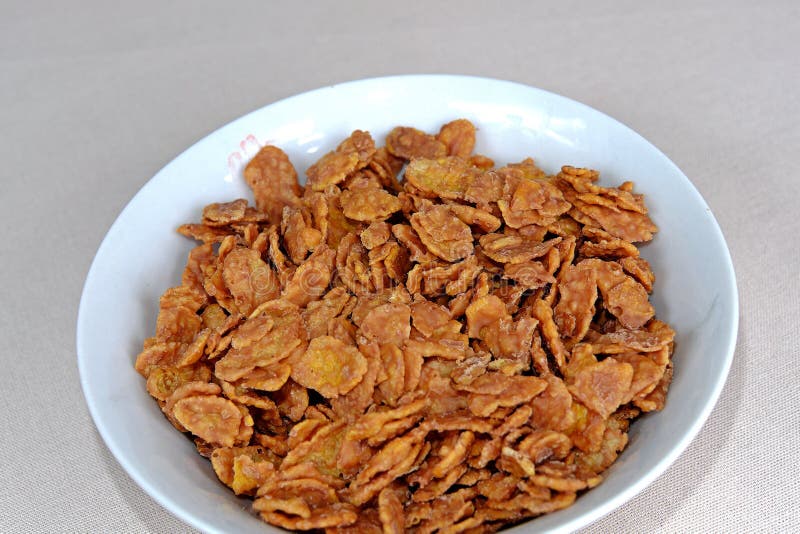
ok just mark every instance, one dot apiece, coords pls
pixel 97 96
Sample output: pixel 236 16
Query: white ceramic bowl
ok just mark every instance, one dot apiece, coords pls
pixel 142 255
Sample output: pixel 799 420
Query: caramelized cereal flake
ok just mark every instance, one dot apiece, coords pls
pixel 329 367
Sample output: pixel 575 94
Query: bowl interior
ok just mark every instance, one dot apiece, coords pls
pixel 142 255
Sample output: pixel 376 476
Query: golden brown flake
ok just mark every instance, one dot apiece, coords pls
pixel 368 204
pixel 442 232
pixel 514 248
pixel 273 179
pixel 388 324
pixel 459 138
pixel 576 305
pixel 621 340
pixel 631 226
pixel 163 381
pixel 249 279
pixel 408 143
pixel 448 178
pixel 352 154
pixel 479 218
pixel 603 386
pixel 214 419
pixel 291 400
pixel 310 281
pixel 640 270
pixel 299 237
pixel 544 313
pixel 221 214
pixel 529 274
pixel 375 234
pixel 329 367
pixel 204 233
pixel 390 511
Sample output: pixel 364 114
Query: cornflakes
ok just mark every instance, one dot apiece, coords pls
pixel 375 234
pixel 329 367
pixel 479 218
pixel 368 204
pixel 273 179
pixel 352 154
pixel 514 248
pixel 449 178
pixel 408 143
pixel 299 236
pixel 250 280
pixel 442 232
pixel 576 304
pixel 388 324
pixel 458 137
pixel 640 270
pixel 414 339
pixel 214 419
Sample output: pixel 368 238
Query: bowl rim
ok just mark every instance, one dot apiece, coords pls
pixel 581 520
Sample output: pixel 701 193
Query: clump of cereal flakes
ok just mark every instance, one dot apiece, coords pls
pixel 458 350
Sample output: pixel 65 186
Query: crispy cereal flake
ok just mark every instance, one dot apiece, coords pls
pixel 408 143
pixel 274 181
pixel 443 233
pixel 214 419
pixel 368 204
pixel 329 367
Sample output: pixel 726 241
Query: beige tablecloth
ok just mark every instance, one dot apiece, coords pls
pixel 96 96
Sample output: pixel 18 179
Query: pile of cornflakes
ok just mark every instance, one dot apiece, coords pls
pixel 455 351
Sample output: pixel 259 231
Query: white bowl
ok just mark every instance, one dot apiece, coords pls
pixel 142 255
